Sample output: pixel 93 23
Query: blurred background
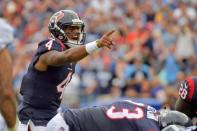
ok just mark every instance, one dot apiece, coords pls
pixel 155 47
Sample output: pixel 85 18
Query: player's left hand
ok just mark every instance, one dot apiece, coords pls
pixel 106 40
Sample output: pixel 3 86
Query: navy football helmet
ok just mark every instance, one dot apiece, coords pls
pixel 66 26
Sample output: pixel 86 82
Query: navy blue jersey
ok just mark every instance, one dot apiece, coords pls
pixel 119 116
pixel 42 90
pixel 188 93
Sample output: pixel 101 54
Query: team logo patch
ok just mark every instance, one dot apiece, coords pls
pixel 59 16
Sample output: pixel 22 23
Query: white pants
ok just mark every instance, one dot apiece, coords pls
pixel 2 123
pixel 30 124
pixel 57 123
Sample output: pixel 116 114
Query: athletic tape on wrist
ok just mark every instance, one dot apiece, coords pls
pixel 91 47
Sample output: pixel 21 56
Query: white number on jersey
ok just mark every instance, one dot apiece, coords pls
pixel 64 83
pixel 183 91
pixel 137 113
pixel 49 44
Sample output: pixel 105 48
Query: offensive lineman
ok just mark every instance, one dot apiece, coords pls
pixel 119 116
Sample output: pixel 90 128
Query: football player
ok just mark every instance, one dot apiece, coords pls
pixel 187 101
pixel 119 116
pixel 7 95
pixel 52 67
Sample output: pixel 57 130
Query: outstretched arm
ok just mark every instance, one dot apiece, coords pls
pixel 55 58
pixel 7 97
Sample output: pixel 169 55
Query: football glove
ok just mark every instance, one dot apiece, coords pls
pixel 179 128
pixel 168 117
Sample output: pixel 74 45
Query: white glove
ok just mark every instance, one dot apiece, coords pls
pixel 179 128
pixel 168 117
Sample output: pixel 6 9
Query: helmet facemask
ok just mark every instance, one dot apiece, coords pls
pixel 74 34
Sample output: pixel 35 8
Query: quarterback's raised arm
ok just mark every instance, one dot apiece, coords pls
pixel 56 58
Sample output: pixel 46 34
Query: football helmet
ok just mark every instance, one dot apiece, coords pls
pixel 66 26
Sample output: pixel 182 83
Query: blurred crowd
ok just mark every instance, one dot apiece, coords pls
pixel 155 46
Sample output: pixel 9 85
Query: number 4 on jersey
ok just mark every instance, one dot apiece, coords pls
pixel 60 87
pixel 49 44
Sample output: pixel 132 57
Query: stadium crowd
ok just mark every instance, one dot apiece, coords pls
pixel 156 46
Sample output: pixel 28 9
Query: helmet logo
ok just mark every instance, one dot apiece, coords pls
pixel 59 15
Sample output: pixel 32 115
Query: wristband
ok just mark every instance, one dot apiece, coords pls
pixel 91 47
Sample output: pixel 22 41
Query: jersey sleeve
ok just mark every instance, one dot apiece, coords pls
pixel 49 45
pixel 46 46
pixel 187 91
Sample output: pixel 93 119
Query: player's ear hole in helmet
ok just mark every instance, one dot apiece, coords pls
pixel 66 26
